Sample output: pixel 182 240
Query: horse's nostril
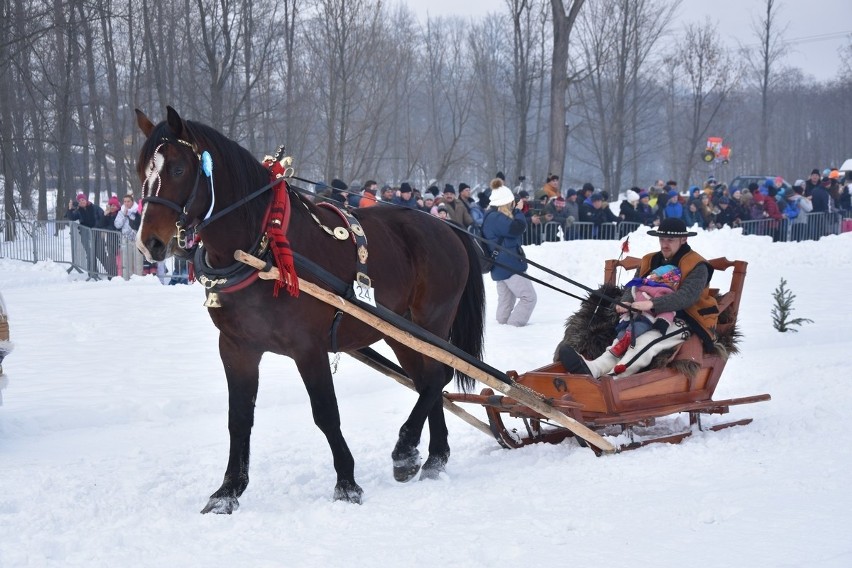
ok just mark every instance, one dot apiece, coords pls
pixel 156 248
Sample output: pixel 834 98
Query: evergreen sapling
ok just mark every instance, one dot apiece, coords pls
pixel 783 308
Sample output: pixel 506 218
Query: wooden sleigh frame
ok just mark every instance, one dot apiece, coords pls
pixel 614 405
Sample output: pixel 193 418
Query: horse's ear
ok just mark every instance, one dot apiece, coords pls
pixel 175 122
pixel 145 125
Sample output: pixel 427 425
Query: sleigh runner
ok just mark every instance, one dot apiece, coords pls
pixel 681 381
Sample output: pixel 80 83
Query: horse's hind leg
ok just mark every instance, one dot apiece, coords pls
pixel 429 377
pixel 241 370
pixel 439 447
pixel 316 375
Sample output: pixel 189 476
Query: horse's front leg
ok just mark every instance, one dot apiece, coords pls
pixel 316 374
pixel 241 370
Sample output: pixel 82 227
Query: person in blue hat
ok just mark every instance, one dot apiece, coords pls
pixel 673 208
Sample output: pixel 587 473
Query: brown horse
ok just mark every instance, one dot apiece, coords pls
pixel 421 269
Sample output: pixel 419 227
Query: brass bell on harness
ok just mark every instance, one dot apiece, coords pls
pixel 212 300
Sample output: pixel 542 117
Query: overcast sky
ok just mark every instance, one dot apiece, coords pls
pixel 816 28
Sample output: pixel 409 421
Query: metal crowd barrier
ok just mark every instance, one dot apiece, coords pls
pixel 32 241
pixel 818 225
pixel 542 233
pixel 578 230
pixel 98 253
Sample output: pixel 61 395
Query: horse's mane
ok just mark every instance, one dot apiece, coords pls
pixel 237 169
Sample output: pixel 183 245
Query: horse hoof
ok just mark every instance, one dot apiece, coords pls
pixel 434 467
pixel 406 468
pixel 348 491
pixel 221 505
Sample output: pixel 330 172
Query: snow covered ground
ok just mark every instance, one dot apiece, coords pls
pixel 113 433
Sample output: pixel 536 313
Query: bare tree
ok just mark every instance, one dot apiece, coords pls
pixel 61 103
pixel 6 130
pixel 563 24
pixel 845 53
pixel 617 40
pixel 763 64
pixel 486 42
pixel 702 76
pixel 221 39
pixel 525 67
pixel 391 81
pixel 341 54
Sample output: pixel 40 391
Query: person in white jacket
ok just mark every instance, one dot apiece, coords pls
pixel 126 217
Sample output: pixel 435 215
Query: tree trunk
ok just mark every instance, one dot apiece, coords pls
pixel 563 23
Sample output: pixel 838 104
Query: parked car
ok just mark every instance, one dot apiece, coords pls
pixel 742 182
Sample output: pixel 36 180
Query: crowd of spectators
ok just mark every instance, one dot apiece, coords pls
pixel 101 232
pixel 553 213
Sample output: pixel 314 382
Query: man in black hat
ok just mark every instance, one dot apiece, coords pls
pixel 467 200
pixel 812 182
pixel 693 303
pixel 405 197
pixel 457 211
pixel 339 191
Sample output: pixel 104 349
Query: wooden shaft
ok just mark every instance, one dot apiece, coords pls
pixel 526 397
pixel 449 405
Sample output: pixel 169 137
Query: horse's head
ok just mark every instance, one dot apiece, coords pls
pixel 169 168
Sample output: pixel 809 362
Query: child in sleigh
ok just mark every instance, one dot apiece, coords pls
pixel 660 282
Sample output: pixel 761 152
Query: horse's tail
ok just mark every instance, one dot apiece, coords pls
pixel 468 327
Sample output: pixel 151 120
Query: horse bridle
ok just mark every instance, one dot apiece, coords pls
pixel 186 228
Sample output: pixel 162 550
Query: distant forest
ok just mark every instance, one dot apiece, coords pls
pixel 603 91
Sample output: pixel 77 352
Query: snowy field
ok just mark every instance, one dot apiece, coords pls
pixel 113 433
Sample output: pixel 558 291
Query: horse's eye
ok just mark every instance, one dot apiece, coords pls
pixel 177 171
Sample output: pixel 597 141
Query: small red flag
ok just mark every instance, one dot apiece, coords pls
pixel 625 246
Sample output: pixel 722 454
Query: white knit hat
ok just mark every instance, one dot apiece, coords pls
pixel 502 196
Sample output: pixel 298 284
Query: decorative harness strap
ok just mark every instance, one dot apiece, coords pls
pixel 354 230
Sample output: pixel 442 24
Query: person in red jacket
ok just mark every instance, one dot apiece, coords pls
pixel 770 207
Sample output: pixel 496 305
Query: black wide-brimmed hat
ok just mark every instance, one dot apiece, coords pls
pixel 671 227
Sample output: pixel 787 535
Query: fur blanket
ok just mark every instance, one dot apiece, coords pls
pixel 592 329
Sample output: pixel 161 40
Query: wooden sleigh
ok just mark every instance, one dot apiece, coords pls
pixel 630 405
pixel 554 404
